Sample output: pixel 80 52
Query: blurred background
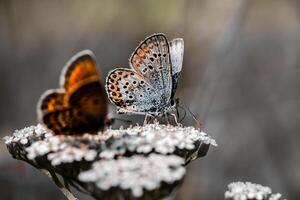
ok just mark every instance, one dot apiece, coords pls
pixel 241 77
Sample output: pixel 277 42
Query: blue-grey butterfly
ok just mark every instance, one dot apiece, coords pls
pixel 150 85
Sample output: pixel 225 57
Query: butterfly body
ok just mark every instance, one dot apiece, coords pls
pixel 149 86
pixel 79 106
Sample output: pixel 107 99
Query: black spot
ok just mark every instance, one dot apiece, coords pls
pixel 150 67
pixel 159 55
pixel 126 83
pixel 141 95
pixel 120 73
pixel 164 55
pixel 130 97
pixel 120 95
pixel 148 89
pixel 155 56
pixel 132 73
pixel 160 68
pixel 124 86
pixel 152 59
pixel 113 93
pixel 134 82
pixel 112 87
pixel 145 70
pixel 142 82
pixel 125 76
pixel 126 92
pixel 114 76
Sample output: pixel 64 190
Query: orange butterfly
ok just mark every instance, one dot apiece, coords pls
pixel 79 105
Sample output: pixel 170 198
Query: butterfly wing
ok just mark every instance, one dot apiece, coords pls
pixel 151 60
pixel 130 92
pixel 176 53
pixel 80 69
pixel 80 105
pixel 51 105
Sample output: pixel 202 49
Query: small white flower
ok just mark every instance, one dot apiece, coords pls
pixel 135 173
pixel 247 190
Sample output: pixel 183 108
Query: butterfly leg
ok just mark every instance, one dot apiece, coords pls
pixel 167 118
pixel 146 118
pixel 175 119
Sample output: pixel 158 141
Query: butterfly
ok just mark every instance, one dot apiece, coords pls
pixel 150 85
pixel 79 105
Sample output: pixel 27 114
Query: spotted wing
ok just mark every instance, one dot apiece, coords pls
pixel 131 93
pixel 176 53
pixel 78 107
pixel 51 104
pixel 151 60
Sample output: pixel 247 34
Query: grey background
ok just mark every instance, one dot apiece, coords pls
pixel 241 77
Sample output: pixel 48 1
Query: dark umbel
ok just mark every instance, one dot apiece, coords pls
pixel 110 164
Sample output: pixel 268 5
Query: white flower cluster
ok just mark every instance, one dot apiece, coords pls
pixel 247 190
pixel 71 154
pixel 135 173
pixel 276 196
pixel 23 135
pixel 156 137
pixel 60 151
pixel 163 139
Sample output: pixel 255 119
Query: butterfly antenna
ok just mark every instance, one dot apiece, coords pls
pixel 179 106
pixel 198 124
pixel 184 115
